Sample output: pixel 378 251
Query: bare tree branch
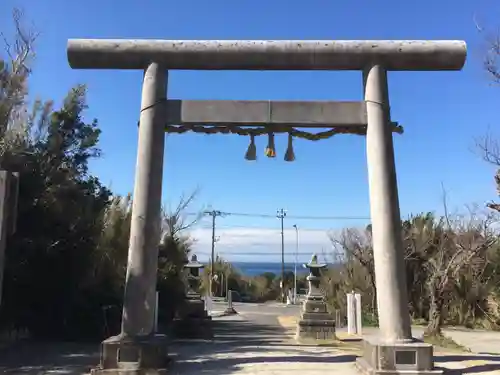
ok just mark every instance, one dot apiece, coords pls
pixel 175 221
pixel 489 149
pixel 460 246
pixel 14 73
pixel 492 53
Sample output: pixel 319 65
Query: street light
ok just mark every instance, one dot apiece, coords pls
pixel 296 255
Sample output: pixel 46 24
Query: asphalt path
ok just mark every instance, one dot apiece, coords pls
pixel 254 325
pixel 262 313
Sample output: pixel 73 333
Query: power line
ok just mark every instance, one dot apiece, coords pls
pixel 297 217
pixel 263 216
pixel 329 217
pixel 239 226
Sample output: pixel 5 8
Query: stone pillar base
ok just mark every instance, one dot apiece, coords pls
pixel 230 311
pixel 315 321
pixel 193 321
pixel 316 329
pixel 193 328
pixel 412 358
pixel 121 355
pixel 126 371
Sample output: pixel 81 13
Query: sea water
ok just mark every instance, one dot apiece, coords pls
pixel 258 268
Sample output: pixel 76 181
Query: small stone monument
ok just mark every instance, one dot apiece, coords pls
pixel 315 321
pixel 193 320
pixel 230 309
pixel 354 317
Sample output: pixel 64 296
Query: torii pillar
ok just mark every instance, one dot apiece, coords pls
pixel 394 350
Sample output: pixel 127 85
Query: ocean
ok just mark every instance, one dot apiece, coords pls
pixel 257 268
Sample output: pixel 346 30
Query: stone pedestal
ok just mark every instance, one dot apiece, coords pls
pixel 315 321
pixel 193 321
pixel 410 357
pixel 122 355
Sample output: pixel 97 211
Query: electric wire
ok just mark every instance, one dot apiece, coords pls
pixel 296 217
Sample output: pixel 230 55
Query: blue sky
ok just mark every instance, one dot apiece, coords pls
pixel 442 112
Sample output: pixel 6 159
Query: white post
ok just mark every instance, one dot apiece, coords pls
pixel 354 313
pixel 156 312
pixel 208 304
pixel 351 314
pixel 359 322
pixel 222 279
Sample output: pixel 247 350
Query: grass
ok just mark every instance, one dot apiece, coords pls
pixel 419 322
pixel 348 343
pixel 444 342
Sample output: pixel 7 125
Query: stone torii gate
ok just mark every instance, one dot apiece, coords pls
pixel 394 349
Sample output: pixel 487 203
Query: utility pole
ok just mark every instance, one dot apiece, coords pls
pixel 280 214
pixel 214 215
pixel 295 268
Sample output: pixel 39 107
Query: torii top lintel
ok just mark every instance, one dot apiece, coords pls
pixel 403 55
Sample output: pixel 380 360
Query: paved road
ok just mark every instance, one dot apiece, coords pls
pixel 252 343
pixel 265 313
pixel 249 343
pixel 273 309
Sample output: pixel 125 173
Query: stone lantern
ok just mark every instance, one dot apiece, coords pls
pixel 193 278
pixel 192 320
pixel 315 321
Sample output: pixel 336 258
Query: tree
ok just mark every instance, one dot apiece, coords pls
pixel 106 275
pixel 356 248
pixel 444 249
pixel 489 150
pixel 269 277
pixel 228 278
pixel 174 250
pixel 492 54
pixel 15 69
pixel 65 265
pixel 488 145
pixel 417 239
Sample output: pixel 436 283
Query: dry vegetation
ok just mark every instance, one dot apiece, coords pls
pixel 451 266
